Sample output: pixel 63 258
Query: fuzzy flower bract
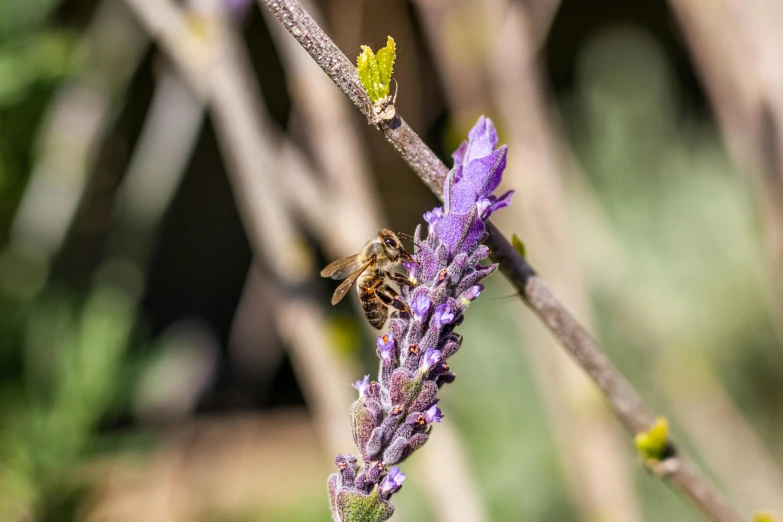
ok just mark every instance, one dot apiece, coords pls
pixel 393 416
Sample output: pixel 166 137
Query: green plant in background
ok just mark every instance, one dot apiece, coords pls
pixel 34 57
pixel 40 59
pixel 73 368
pixel 375 73
pixel 674 253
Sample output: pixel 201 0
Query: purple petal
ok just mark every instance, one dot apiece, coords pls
pixel 481 177
pixel 443 315
pixel 473 292
pixel 433 414
pixel 362 386
pixel 430 359
pixel 385 347
pixel 496 203
pixel 482 205
pixel 420 306
pixel 392 481
pixel 433 216
pixel 459 154
pixel 482 139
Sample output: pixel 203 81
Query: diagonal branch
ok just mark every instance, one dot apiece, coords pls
pixel 629 407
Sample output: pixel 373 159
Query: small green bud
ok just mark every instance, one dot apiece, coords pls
pixel 518 245
pixel 652 444
pixel 375 71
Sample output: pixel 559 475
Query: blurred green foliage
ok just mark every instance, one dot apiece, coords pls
pixel 72 355
pixel 34 58
pixel 685 271
pixel 40 60
pixel 22 17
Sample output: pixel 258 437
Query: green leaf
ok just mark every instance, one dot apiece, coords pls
pixel 652 444
pixel 375 71
pixel 365 72
pixel 518 245
pixel 386 58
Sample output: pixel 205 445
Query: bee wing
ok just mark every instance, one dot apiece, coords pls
pixel 348 283
pixel 342 268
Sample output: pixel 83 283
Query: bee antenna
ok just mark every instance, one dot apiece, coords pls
pixel 409 238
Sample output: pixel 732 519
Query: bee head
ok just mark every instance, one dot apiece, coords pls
pixel 393 247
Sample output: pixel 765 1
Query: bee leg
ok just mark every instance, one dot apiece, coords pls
pixel 388 296
pixel 401 279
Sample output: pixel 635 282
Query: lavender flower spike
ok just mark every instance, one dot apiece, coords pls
pixel 394 416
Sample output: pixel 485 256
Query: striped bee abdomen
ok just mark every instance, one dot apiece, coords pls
pixel 375 311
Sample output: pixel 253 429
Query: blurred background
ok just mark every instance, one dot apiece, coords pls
pixel 173 176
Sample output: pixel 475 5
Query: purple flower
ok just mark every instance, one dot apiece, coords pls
pixel 420 306
pixel 459 155
pixel 483 205
pixel 392 482
pixel 385 347
pixel 413 354
pixel 362 386
pixel 433 414
pixel 473 292
pixel 430 359
pixel 433 216
pixel 443 315
pixel 477 172
pixel 482 140
pixel 490 204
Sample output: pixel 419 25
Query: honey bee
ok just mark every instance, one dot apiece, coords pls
pixel 370 269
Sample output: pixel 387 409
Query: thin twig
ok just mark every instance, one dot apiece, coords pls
pixel 634 414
